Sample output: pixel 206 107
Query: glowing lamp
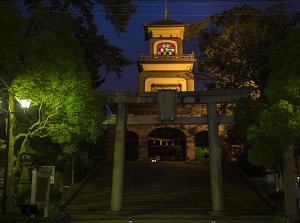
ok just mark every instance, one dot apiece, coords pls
pixel 25 103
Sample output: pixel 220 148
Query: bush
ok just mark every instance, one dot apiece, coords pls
pixel 55 194
pixel 15 216
pixel 11 219
pixel 23 219
pixel 202 154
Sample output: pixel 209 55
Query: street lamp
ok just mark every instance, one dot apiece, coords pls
pixel 25 103
pixel 9 111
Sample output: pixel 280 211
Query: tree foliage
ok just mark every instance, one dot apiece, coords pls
pixel 235 45
pixel 42 61
pixel 98 53
pixel 57 82
pixel 235 48
pixel 11 43
pixel 275 136
pixel 278 116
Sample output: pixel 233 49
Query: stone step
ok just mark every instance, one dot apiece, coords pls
pixel 166 189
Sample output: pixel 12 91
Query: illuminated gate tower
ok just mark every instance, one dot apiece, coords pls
pixel 163 69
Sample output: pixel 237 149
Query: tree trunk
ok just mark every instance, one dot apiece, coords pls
pixel 290 183
pixel 21 151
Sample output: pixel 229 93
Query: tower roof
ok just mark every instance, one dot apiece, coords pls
pixel 164 23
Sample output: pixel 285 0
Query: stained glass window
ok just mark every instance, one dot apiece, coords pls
pixel 165 49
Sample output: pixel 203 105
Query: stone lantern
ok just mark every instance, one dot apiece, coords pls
pixel 25 163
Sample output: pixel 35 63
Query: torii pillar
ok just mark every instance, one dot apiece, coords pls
pixel 215 161
pixel 119 157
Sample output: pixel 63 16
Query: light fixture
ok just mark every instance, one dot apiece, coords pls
pixel 25 103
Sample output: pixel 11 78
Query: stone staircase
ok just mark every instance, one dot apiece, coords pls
pixel 176 190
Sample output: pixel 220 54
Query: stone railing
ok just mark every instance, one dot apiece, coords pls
pixel 167 57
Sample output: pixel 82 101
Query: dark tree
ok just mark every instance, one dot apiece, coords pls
pixel 98 52
pixel 235 45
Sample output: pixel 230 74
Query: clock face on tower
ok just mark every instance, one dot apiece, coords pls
pixel 165 49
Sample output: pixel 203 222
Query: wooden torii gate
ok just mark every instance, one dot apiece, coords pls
pixel 167 101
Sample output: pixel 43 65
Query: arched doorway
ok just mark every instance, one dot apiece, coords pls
pixel 202 146
pixel 166 144
pixel 201 139
pixel 131 146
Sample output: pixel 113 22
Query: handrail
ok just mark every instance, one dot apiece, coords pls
pixel 164 57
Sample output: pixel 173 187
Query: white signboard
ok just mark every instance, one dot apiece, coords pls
pixel 40 188
pixel 270 178
pixel 48 169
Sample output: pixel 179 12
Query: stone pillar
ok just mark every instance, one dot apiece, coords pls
pixel 110 143
pixel 143 149
pixel 119 157
pixel 289 183
pixel 215 161
pixel 190 148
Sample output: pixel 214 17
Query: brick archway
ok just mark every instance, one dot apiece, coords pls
pixel 166 144
pixel 201 139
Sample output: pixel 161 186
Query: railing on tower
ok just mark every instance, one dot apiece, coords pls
pixel 167 57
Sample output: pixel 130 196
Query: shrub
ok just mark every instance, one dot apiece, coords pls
pixel 202 154
pixel 55 194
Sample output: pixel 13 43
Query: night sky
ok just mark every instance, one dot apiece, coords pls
pixel 132 43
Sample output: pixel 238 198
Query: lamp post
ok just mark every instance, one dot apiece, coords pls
pixel 9 111
pixel 6 157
